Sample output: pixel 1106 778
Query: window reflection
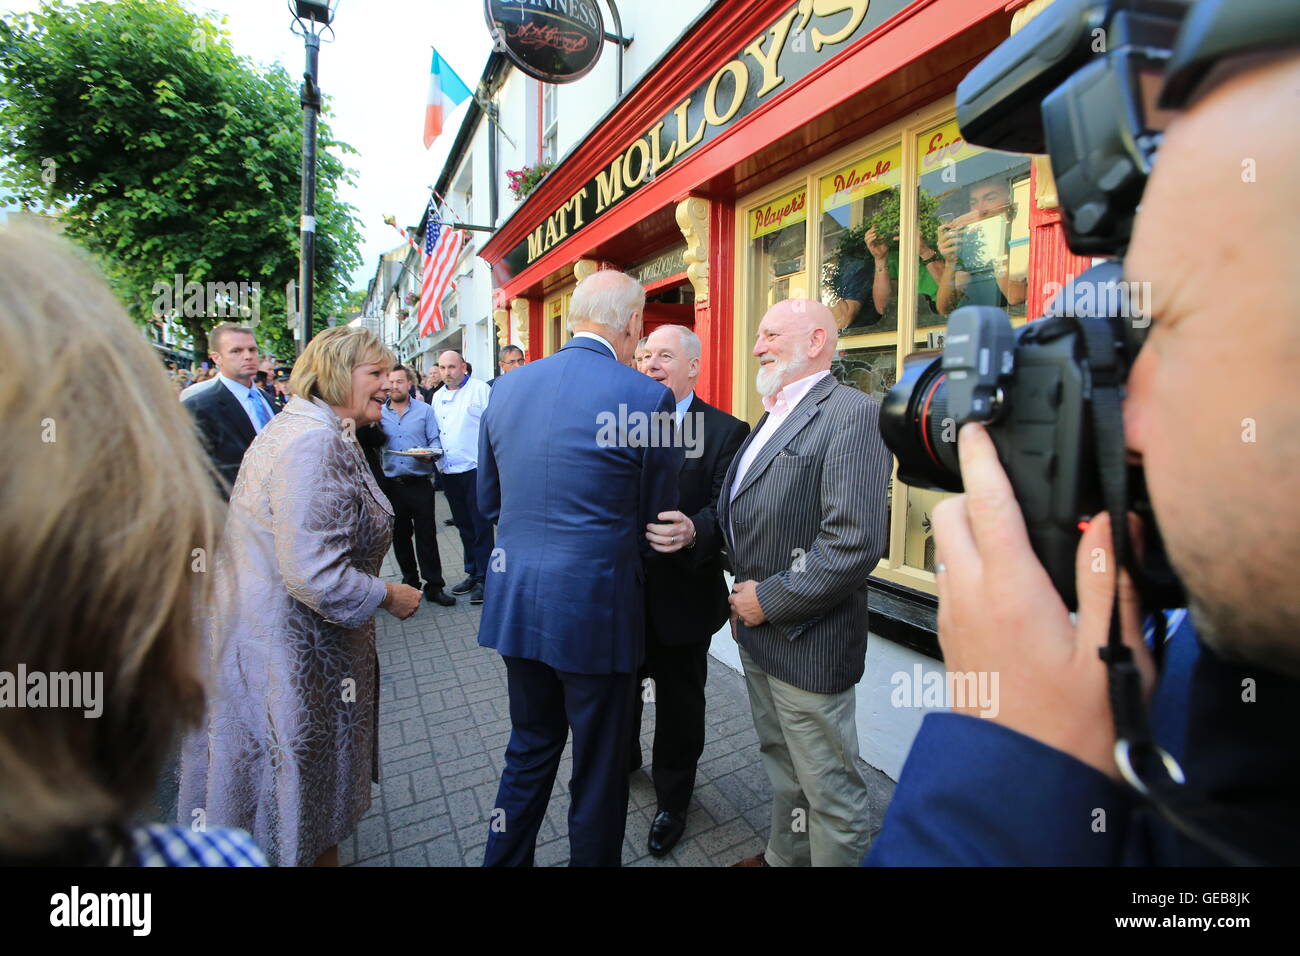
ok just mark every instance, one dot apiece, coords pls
pixel 974 203
pixel 777 232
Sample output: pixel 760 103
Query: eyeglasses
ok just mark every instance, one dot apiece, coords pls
pixel 513 362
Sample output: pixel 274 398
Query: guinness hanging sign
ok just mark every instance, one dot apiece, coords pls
pixel 555 41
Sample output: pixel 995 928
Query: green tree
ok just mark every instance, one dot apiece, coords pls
pixel 164 153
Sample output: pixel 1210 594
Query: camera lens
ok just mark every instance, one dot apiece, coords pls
pixel 915 424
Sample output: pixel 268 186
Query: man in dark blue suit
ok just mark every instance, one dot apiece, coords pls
pixel 577 455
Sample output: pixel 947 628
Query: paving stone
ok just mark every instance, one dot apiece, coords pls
pixel 426 783
pixel 444 851
pixel 397 789
pixel 722 838
pixel 471 778
pixel 420 832
pixel 372 838
pixel 418 813
pixel 410 856
pixel 713 800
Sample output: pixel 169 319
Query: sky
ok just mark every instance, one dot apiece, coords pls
pixel 375 79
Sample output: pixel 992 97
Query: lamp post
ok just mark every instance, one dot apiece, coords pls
pixel 311 19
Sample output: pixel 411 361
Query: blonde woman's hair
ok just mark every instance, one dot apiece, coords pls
pixel 324 370
pixel 108 520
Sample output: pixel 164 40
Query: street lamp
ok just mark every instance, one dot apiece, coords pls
pixel 311 19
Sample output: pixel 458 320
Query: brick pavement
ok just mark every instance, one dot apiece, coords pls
pixel 444 724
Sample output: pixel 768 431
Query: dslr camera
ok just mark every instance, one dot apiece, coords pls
pixel 1089 83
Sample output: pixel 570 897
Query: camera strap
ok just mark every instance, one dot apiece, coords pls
pixel 1145 766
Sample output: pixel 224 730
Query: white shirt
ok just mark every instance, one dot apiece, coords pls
pixel 459 411
pixel 601 339
pixel 779 407
pixel 247 395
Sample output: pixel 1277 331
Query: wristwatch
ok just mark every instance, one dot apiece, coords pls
pixel 933 257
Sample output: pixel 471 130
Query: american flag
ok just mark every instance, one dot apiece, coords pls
pixel 441 253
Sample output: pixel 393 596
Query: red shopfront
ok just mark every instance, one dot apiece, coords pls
pixel 750 165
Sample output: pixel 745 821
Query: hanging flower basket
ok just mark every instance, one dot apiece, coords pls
pixel 403 315
pixel 412 298
pixel 524 181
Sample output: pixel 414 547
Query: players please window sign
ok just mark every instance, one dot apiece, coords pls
pixel 808 34
pixel 555 41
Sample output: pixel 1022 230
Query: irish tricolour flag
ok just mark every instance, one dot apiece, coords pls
pixel 446 92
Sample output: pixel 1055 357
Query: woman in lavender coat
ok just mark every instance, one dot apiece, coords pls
pixel 289 746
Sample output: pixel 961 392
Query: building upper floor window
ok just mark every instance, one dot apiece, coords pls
pixel 550 124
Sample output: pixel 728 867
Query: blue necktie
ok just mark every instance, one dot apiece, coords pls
pixel 260 411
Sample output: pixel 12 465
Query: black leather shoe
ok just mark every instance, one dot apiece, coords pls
pixel 439 596
pixel 666 830
pixel 464 587
pixel 476 595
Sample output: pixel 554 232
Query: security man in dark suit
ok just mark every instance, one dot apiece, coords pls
pixel 686 594
pixel 231 412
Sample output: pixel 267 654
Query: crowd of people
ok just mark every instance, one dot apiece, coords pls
pixel 217 561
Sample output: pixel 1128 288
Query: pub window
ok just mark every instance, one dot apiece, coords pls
pixel 778 234
pixel 962 214
pixel 859 242
pixel 973 209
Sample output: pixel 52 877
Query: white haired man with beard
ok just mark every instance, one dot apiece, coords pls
pixel 803 512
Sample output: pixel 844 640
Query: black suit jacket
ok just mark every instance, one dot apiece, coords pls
pixel 225 430
pixel 686 594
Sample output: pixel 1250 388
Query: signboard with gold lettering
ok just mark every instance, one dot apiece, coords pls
pixel 879 171
pixel 790 209
pixel 807 35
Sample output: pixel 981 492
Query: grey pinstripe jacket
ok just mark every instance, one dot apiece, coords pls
pixel 808 523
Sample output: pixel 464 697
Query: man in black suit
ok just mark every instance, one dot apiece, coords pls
pixel 512 357
pixel 686 595
pixel 232 412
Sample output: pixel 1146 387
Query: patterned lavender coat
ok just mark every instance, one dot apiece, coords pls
pixel 289 747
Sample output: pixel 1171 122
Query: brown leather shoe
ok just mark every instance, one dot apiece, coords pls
pixel 760 860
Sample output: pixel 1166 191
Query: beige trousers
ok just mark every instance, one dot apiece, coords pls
pixel 809 745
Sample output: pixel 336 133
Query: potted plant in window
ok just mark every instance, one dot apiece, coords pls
pixel 412 299
pixel 524 181
pixel 847 275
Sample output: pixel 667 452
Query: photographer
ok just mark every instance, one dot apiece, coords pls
pixel 964 282
pixel 1039 784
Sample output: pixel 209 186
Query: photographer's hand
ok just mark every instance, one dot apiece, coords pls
pixel 998 613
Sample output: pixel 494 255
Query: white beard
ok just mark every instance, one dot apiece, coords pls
pixel 772 377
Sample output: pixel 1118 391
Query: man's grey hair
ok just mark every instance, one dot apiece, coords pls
pixel 690 341
pixel 511 350
pixel 606 298
pixel 644 340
